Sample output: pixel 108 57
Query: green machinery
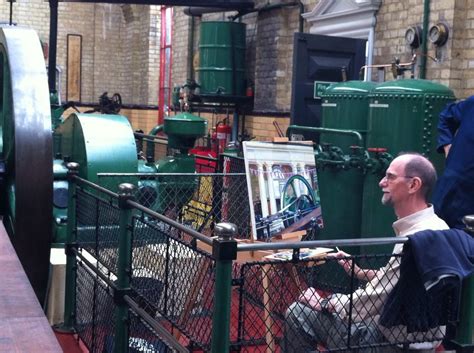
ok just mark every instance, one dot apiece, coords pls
pixel 340 163
pixel 363 127
pixel 33 183
pixel 182 129
pixel 403 117
pixel 222 58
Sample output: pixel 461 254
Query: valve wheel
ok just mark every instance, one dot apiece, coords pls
pixel 297 204
pixel 26 150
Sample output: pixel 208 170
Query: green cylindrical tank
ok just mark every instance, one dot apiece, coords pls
pixel 403 116
pixel 344 106
pixel 222 58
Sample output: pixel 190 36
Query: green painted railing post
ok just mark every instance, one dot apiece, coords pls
pixel 70 287
pixel 465 330
pixel 224 251
pixel 124 266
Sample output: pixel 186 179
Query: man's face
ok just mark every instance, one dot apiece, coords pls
pixel 395 183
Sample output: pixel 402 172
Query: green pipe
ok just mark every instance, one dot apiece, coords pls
pixel 356 134
pixel 424 38
pixel 124 265
pixel 150 146
pixel 156 129
pixel 70 286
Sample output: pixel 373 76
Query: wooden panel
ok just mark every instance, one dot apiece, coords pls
pixel 74 58
pixel 23 325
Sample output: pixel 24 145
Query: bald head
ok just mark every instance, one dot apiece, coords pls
pixel 419 166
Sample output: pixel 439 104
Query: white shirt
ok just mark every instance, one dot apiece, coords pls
pixel 368 301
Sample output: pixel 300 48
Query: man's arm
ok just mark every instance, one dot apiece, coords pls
pixel 360 273
pixel 449 120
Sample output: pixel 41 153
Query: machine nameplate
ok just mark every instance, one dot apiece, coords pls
pixel 378 105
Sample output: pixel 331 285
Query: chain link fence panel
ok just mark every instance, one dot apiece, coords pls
pixel 196 200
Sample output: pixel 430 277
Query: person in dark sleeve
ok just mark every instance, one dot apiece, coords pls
pixel 452 198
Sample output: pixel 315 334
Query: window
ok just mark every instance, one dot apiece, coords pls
pixel 164 94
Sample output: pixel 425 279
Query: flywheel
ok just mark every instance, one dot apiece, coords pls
pixel 26 152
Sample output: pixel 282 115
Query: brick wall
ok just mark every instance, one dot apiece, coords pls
pixel 454 65
pixel 119 45
pixel 120 48
pixel 181 33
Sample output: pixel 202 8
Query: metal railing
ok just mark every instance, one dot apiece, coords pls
pixel 138 279
pixel 196 200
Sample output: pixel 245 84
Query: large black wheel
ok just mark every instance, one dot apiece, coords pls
pixel 26 152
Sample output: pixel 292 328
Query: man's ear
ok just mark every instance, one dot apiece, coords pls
pixel 415 185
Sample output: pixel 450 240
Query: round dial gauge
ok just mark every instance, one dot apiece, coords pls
pixel 412 37
pixel 438 34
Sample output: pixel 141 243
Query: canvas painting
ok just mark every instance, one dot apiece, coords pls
pixel 283 188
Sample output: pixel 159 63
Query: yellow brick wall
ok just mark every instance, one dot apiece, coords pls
pixel 454 64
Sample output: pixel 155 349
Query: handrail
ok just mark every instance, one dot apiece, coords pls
pixel 321 243
pixel 167 174
pixel 94 186
pixel 192 232
pixel 165 335
pixel 355 133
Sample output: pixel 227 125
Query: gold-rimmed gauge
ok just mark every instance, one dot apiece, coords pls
pixel 438 34
pixel 413 36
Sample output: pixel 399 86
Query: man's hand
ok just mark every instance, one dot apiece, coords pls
pixel 346 263
pixel 312 298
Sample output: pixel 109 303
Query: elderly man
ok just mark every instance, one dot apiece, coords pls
pixel 311 320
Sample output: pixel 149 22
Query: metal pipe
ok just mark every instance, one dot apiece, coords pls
pixel 156 130
pixel 204 238
pixel 155 325
pixel 301 20
pixel 53 38
pixel 400 65
pixel 424 38
pixel 269 7
pixel 356 134
pixel 11 12
pixel 370 49
pixel 191 48
pixel 235 126
pixel 321 243
pixel 81 181
pixel 161 175
pixel 150 137
pixel 199 11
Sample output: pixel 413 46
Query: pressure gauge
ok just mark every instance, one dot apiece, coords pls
pixel 438 34
pixel 413 36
